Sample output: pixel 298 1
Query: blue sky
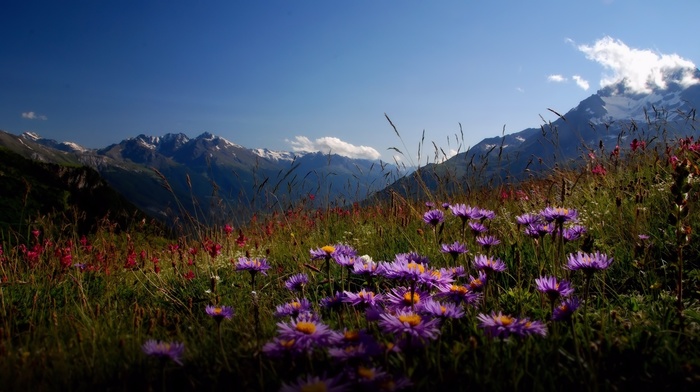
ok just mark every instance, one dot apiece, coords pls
pixel 304 74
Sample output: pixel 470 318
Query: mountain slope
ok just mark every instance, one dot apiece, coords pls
pixel 614 116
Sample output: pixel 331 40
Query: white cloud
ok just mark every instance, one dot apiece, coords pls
pixel 642 69
pixel 520 89
pixel 33 116
pixel 333 145
pixel 581 82
pixel 556 78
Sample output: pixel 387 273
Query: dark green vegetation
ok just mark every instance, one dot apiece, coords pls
pixel 75 311
pixel 76 194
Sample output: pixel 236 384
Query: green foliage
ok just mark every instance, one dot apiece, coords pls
pixel 75 311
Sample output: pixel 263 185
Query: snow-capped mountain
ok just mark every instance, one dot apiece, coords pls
pixel 210 176
pixel 613 116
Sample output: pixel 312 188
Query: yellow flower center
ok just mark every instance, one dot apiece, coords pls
pixel 218 310
pixel 504 320
pixel 351 335
pixel 443 309
pixel 458 289
pixel 564 308
pixel 318 386
pixel 413 266
pixel 411 299
pixel 328 249
pixel 411 319
pixel 366 373
pixel 296 305
pixel 306 327
pixel 475 283
pixel 287 343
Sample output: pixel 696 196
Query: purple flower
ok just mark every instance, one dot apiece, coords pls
pixel 219 312
pixel 487 241
pixel 477 228
pixel 445 206
pixel 455 249
pixel 488 264
pixel 296 282
pixel 294 308
pixel 333 302
pixel 411 323
pixel 465 212
pixel 528 219
pixel 447 310
pixel 400 298
pixel 573 233
pixel 459 294
pixel 345 260
pixel 566 309
pixel 553 289
pixel 365 266
pixel 528 327
pixel 499 325
pixel 306 332
pixel 477 283
pixel 539 230
pixel 332 251
pixel 588 262
pixel 559 214
pixel 280 348
pixel 164 350
pixel 433 217
pixel 252 265
pixel 486 214
pixel 362 299
pixel 315 383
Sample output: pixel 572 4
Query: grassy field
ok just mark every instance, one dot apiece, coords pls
pixel 586 279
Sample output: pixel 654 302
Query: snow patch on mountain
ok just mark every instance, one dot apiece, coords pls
pixel 276 155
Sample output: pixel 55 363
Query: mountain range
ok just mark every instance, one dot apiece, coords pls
pixel 211 179
pixel 208 178
pixel 611 118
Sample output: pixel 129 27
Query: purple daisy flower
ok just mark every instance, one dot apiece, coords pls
pixel 296 282
pixel 465 212
pixel 566 309
pixel 280 348
pixel 294 308
pixel 528 219
pixel 321 253
pixel 477 228
pixel 528 327
pixel 486 214
pixel 458 271
pixel 459 294
pixel 499 325
pixel 365 266
pixel 345 260
pixel 434 217
pixel 488 264
pixel 400 298
pixel 573 233
pixel 439 310
pixel 430 204
pixel 588 262
pixel 253 265
pixel 362 298
pixel 539 230
pixel 219 312
pixel 315 383
pixel 477 283
pixel 411 323
pixel 445 206
pixel 436 278
pixel 307 333
pixel 487 241
pixel 164 350
pixel 559 214
pixel 455 249
pixel 334 302
pixel 549 285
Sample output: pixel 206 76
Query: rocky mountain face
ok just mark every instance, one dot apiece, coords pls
pixel 613 116
pixel 209 178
